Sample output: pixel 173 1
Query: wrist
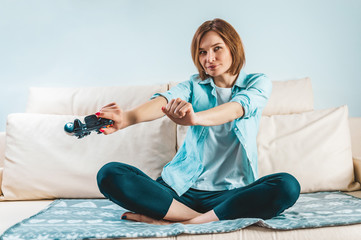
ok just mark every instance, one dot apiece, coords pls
pixel 127 119
pixel 197 119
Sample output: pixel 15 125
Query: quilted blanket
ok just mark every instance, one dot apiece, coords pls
pixel 100 218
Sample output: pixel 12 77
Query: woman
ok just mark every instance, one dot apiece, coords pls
pixel 213 175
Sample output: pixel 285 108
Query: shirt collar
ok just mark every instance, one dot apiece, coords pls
pixel 240 82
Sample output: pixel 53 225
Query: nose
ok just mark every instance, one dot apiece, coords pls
pixel 211 56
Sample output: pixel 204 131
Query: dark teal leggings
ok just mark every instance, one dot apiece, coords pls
pixel 132 189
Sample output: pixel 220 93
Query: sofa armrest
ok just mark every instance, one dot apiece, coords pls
pixel 2 149
pixel 355 130
pixel 357 169
pixel 2 157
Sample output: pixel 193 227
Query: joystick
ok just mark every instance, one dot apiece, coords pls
pixel 92 123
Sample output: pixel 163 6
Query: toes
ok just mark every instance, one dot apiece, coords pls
pixel 124 215
pixel 137 217
pixel 131 216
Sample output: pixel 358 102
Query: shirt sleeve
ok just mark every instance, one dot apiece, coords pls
pixel 181 90
pixel 254 98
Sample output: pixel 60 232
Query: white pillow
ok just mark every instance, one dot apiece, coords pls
pixel 315 147
pixel 42 162
pixel 291 96
pixel 88 100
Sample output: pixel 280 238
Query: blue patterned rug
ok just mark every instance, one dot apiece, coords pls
pixel 100 218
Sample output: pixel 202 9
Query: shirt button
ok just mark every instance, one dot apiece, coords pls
pixel 235 129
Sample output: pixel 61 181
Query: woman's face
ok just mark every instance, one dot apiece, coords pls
pixel 214 55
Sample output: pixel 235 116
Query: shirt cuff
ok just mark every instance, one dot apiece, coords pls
pixel 166 95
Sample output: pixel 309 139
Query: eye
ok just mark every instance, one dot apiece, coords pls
pixel 217 48
pixel 202 52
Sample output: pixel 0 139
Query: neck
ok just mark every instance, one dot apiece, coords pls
pixel 225 81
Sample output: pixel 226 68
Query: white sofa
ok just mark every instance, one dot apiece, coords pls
pixel 40 163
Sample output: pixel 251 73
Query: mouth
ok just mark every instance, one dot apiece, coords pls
pixel 212 67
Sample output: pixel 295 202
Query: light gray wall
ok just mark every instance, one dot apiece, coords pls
pixel 62 43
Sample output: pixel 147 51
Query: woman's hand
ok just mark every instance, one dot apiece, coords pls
pixel 112 111
pixel 180 112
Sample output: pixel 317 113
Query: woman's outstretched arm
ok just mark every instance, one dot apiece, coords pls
pixel 148 111
pixel 181 112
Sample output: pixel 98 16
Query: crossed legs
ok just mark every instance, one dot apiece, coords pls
pixel 155 202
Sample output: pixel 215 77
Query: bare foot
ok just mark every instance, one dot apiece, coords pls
pixel 203 218
pixel 142 218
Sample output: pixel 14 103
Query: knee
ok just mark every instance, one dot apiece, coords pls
pixel 288 189
pixel 108 172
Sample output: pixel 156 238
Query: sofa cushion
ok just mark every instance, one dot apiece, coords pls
pixel 42 162
pixel 314 146
pixel 87 100
pixel 13 212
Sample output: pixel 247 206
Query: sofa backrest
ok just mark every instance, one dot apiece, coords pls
pixel 43 162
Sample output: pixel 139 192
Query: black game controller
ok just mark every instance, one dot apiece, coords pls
pixel 92 123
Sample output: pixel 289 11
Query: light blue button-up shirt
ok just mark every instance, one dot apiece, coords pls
pixel 250 90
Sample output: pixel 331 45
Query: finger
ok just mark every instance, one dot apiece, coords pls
pixel 108 130
pixel 175 105
pixel 186 108
pixel 105 114
pixel 110 108
pixel 169 105
pixel 168 114
pixel 109 105
pixel 181 109
pixel 113 113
